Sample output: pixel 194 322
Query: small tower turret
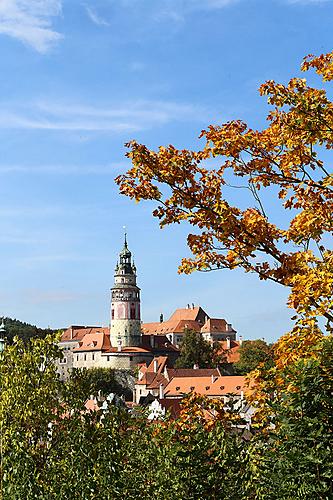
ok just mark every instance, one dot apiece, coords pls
pixel 125 327
pixel 2 336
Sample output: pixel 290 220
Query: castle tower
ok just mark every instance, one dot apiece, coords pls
pixel 125 327
pixel 2 336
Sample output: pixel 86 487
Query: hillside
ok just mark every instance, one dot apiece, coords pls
pixel 23 330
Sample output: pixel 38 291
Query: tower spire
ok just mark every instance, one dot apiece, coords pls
pixel 125 236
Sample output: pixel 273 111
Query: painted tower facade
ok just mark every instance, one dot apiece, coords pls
pixel 125 327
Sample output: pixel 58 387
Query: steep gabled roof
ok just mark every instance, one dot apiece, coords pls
pixel 188 313
pixel 232 354
pixel 216 325
pixel 152 375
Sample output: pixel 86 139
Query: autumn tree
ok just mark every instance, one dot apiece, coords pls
pixel 283 162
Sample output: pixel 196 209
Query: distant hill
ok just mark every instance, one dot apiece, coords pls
pixel 25 331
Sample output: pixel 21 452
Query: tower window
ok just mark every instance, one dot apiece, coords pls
pixel 132 313
pixel 112 314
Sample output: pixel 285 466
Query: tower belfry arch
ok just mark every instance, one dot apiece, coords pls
pixel 125 329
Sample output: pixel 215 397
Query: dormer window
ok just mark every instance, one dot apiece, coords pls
pixel 177 388
pixel 207 387
pixel 192 388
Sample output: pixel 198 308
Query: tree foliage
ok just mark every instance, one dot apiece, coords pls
pixel 283 164
pixel 52 447
pixel 251 354
pixel 24 331
pixel 195 350
pixel 101 381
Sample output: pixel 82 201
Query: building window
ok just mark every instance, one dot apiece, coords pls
pixel 131 358
pixel 63 361
pixel 93 357
pixel 77 357
pixel 85 357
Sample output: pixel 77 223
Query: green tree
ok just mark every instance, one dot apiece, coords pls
pixel 251 354
pixel 96 381
pixel 52 448
pixel 195 350
pixel 294 459
pixel 24 331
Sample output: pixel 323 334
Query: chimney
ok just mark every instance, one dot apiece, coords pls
pixel 155 365
pixel 192 305
pixel 196 366
pixel 161 396
pixel 161 318
pixel 240 340
pixel 71 333
pixel 188 306
pixel 228 343
pixel 152 341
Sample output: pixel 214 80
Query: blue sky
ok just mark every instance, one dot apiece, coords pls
pixel 78 80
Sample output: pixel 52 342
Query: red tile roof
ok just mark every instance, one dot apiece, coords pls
pixel 161 342
pixel 98 341
pixel 186 314
pixel 232 354
pixel 208 386
pixel 152 377
pixel 192 372
pixel 190 319
pixel 76 333
pixel 216 325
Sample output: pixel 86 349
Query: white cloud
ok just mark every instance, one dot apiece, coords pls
pixel 30 21
pixel 94 17
pixel 128 117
